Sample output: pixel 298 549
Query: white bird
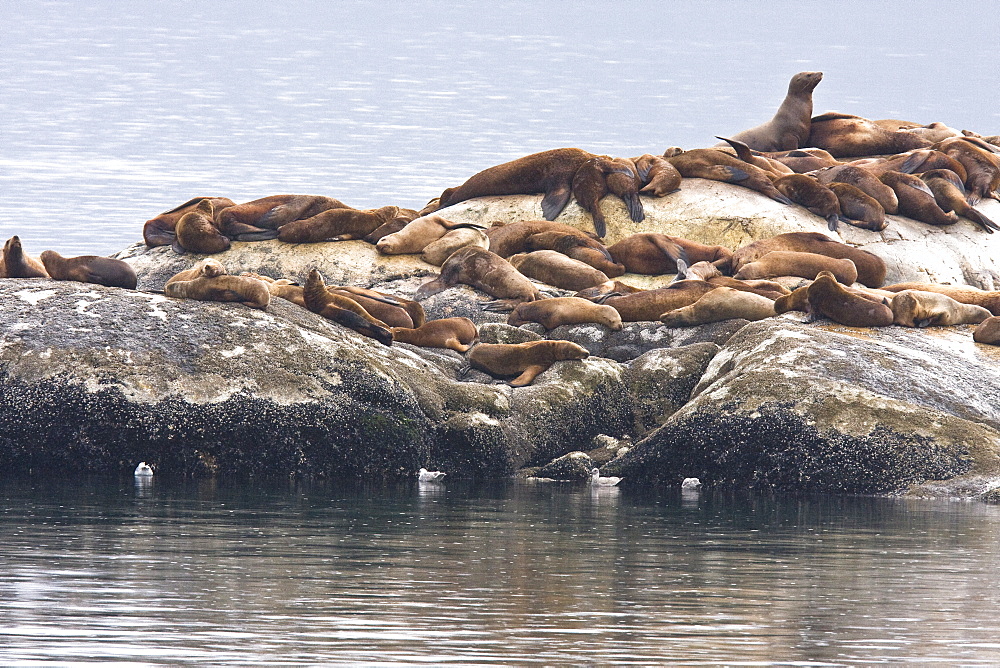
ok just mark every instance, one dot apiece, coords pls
pixel 143 469
pixel 690 483
pixel 597 479
pixel 430 476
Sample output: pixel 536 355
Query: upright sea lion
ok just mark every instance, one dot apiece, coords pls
pixel 789 128
pixel 553 268
pixel 208 281
pixel 709 163
pixel 260 219
pixel 549 172
pixel 436 252
pixel 342 310
pixel 720 304
pixel 603 175
pixel 196 231
pixel 15 263
pixel 871 268
pixel 828 298
pixel 811 194
pixel 949 193
pixel 844 136
pixel 858 208
pixel 551 313
pixel 917 308
pixel 916 200
pixel 456 334
pixel 988 299
pixel 89 269
pixel 988 331
pixel 523 360
pixel 862 179
pixel 982 166
pixel 657 176
pixel 484 271
pixel 798 263
pixel 161 230
pixel 340 224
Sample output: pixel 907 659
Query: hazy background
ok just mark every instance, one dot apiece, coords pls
pixel 113 112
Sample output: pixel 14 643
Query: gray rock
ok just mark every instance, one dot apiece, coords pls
pixel 574 466
pixel 660 382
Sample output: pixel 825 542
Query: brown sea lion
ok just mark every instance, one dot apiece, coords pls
pixel 798 263
pixel 743 152
pixel 988 299
pixel 260 219
pixel 911 162
pixel 858 208
pixel 89 269
pixel 342 310
pixel 648 305
pixel 863 180
pixel 871 268
pixel 551 313
pixel 612 288
pixel 553 268
pixel 798 299
pixel 657 176
pixel 720 304
pixel 804 160
pixel 789 128
pixel 523 360
pixel 196 231
pixel 811 194
pixel 417 235
pixel 403 217
pixel 988 331
pixel 949 193
pixel 932 131
pixel 845 135
pixel 982 166
pixel 916 200
pixel 208 281
pixel 436 252
pixel 458 334
pixel 828 298
pixel 336 224
pixel 15 263
pixel 484 271
pixel 161 230
pixel 281 287
pixel 654 254
pixel 391 309
pixel 531 235
pixel 709 163
pixel 603 175
pixel 549 172
pixel 993 140
pixel 917 308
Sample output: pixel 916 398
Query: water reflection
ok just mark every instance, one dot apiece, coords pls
pixel 325 573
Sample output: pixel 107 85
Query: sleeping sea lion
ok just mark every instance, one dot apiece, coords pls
pixel 657 176
pixel 336 224
pixel 439 250
pixel 858 208
pixel 196 231
pixel 720 304
pixel 917 308
pixel 828 298
pixel 561 271
pixel 988 331
pixel 260 219
pixel 523 360
pixel 161 230
pixel 483 270
pixel 811 194
pixel 949 193
pixel 709 163
pixel 89 269
pixel 862 179
pixel 798 263
pixel 845 136
pixel 208 281
pixel 551 313
pixel 531 235
pixel 603 175
pixel 982 166
pixel 916 200
pixel 988 299
pixel 458 334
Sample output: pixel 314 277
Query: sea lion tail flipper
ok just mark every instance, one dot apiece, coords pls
pixel 177 248
pixel 555 201
pixel 912 164
pixel 832 220
pixel 464 370
pixel 600 299
pixel 430 288
pixel 600 226
pixel 682 269
pixel 500 305
pixel 675 252
pixel 742 150
pixel 263 235
pixel 285 213
pixel 635 211
pixel 979 219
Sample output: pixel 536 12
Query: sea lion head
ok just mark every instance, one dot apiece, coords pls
pixel 567 350
pixel 805 82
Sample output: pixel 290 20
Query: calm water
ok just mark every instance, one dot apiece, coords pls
pixel 112 112
pixel 175 573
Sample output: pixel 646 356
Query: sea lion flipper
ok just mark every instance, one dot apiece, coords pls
pixel 555 201
pixel 177 248
pixel 528 375
pixel 635 210
pixel 831 222
pixel 430 288
pixel 263 235
pixel 287 212
pixel 600 225
pixel 981 220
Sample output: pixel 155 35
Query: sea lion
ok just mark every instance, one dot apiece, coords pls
pixel 196 231
pixel 911 162
pixel 553 268
pixel 917 308
pixel 709 163
pixel 804 160
pixel 390 309
pixel 531 235
pixel 551 313
pixel 798 299
pixel 458 334
pixel 484 271
pixel 342 310
pixel 845 136
pixel 798 263
pixel 436 252
pixel 15 263
pixel 612 288
pixel 916 200
pixel 336 224
pixel 862 179
pixel 523 360
pixel 988 331
pixel 858 208
pixel 161 230
pixel 769 165
pixel 89 269
pixel 720 304
pixel 811 194
pixel 949 193
pixel 982 166
pixel 649 305
pixel 657 176
pixel 282 288
pixel 260 219
pixel 655 254
pixel 988 299
pixel 208 281
pixel 603 175
pixel 417 235
pixel 871 268
pixel 932 131
pixel 400 220
pixel 789 128
pixel 828 298
pixel 549 172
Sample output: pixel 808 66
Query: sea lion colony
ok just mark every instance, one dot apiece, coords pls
pixel 931 173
